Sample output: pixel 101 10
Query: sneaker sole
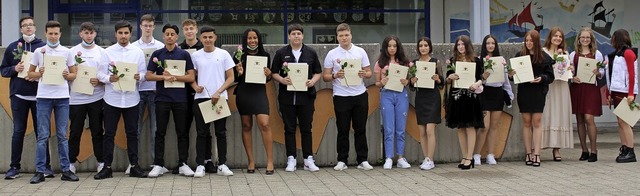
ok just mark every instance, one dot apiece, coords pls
pixel 11 177
pixel 307 169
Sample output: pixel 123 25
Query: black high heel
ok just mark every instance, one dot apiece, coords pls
pixel 466 167
pixel 584 156
pixel 536 163
pixel 556 158
pixel 527 159
pixel 269 172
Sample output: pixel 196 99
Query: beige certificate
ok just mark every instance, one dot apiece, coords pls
pixel 175 68
pixel 585 70
pixel 496 73
pixel 560 71
pixel 351 78
pixel 467 74
pixel 26 61
pixel 424 72
pixel 82 83
pixel 211 112
pixel 396 72
pixel 191 51
pixel 624 112
pixel 53 68
pixel 255 69
pixel 298 74
pixel 524 70
pixel 128 81
pixel 147 54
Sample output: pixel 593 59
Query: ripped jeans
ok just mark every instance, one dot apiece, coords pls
pixel 395 106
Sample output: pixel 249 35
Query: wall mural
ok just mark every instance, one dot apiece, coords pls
pixel 510 20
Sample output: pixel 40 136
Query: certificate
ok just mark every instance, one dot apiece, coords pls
pixel 523 68
pixel 585 70
pixel 255 69
pixel 396 72
pixel 53 68
pixel 561 69
pixel 624 112
pixel 147 54
pixel 496 73
pixel 212 112
pixel 82 83
pixel 467 74
pixel 26 62
pixel 191 51
pixel 351 78
pixel 298 74
pixel 175 68
pixel 128 81
pixel 424 73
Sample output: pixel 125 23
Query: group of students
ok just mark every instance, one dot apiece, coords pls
pixel 210 71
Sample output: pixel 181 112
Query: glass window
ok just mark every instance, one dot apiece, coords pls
pixel 104 24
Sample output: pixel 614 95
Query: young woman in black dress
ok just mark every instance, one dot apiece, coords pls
pixel 251 100
pixel 463 104
pixel 428 104
pixel 532 95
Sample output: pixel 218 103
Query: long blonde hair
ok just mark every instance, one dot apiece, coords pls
pixel 593 46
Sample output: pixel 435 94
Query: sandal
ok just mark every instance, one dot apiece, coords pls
pixel 536 163
pixel 556 158
pixel 527 159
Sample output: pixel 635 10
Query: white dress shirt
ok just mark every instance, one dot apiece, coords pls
pixel 129 54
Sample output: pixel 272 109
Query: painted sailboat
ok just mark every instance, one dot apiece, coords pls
pixel 600 19
pixel 518 23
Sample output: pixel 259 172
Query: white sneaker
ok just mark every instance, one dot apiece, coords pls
pixel 491 159
pixel 402 163
pixel 126 172
pixel 427 164
pixel 476 159
pixel 291 164
pixel 157 171
pixel 185 170
pixel 310 164
pixel 365 166
pixel 388 163
pixel 340 166
pixel 72 167
pixel 223 170
pixel 199 172
pixel 100 166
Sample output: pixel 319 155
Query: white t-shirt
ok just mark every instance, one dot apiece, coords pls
pixel 155 44
pixel 94 57
pixel 211 68
pixel 48 91
pixel 330 61
pixel 129 54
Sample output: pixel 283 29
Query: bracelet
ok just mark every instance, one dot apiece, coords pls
pixel 333 76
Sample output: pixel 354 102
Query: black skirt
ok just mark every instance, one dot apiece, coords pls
pixel 251 99
pixel 428 106
pixel 492 98
pixel 532 97
pixel 464 110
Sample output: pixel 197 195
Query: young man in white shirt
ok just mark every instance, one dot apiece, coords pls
pixel 81 105
pixel 214 66
pixel 147 88
pixel 351 103
pixel 121 103
pixel 52 98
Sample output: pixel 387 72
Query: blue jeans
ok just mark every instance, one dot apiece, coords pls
pixel 60 108
pixel 394 120
pixel 148 98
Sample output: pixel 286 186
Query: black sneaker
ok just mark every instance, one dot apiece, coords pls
pixel 209 167
pixel 37 178
pixel 12 173
pixel 104 173
pixel 628 157
pixel 69 176
pixel 623 152
pixel 137 172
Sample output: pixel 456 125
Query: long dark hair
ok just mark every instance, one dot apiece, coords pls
pixel 536 53
pixel 426 39
pixel 385 57
pixel 483 50
pixel 245 35
pixel 563 44
pixel 620 39
pixel 469 54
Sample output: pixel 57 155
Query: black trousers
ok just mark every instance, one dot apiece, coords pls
pixel 20 109
pixel 111 119
pixel 292 115
pixel 163 111
pixel 352 110
pixel 203 139
pixel 77 115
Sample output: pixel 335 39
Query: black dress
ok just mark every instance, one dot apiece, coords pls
pixel 251 99
pixel 428 102
pixel 531 96
pixel 463 106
